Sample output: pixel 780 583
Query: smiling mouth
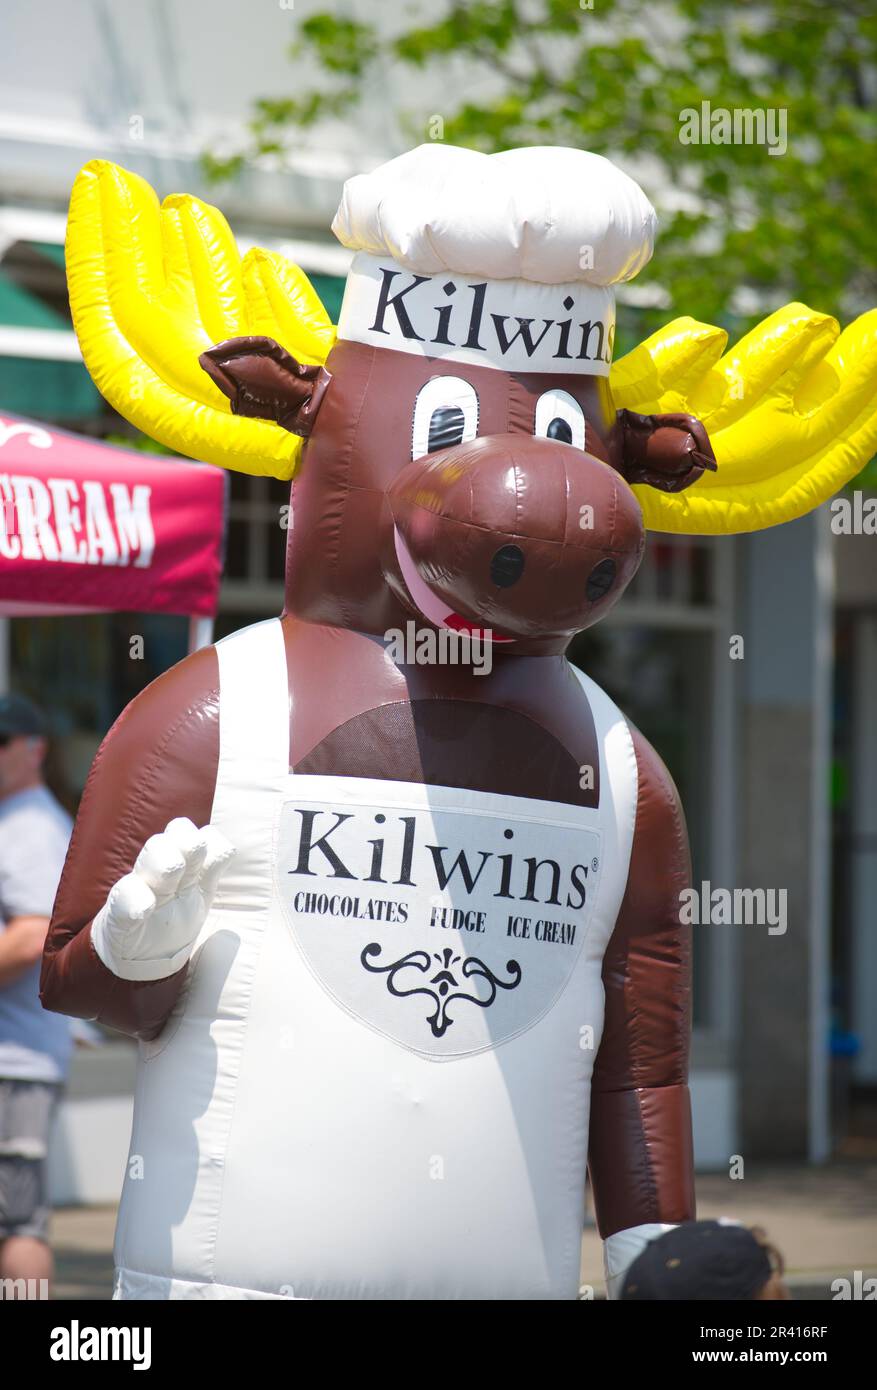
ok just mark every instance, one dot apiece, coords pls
pixel 434 609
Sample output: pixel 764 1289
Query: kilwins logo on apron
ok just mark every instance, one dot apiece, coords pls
pixel 448 920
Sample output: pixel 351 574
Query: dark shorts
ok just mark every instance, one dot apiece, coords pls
pixel 26 1112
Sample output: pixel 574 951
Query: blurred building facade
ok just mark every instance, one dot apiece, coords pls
pixel 774 751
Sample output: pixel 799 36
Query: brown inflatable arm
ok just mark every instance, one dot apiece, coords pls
pixel 158 761
pixel 640 1159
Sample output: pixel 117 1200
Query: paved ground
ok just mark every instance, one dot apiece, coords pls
pixel 824 1220
pixel 83 1240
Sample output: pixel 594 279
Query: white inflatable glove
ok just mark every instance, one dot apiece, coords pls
pixel 621 1249
pixel 152 917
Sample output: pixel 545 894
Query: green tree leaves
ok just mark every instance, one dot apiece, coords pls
pixel 742 231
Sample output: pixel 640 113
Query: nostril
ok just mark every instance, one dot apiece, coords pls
pixel 600 580
pixel 560 429
pixel 446 428
pixel 507 566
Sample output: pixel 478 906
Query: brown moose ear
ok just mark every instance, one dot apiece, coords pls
pixel 669 452
pixel 264 381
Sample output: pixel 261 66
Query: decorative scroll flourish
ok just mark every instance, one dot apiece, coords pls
pixel 444 987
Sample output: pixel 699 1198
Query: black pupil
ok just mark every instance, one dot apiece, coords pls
pixel 445 428
pixel 507 566
pixel 600 580
pixel 559 429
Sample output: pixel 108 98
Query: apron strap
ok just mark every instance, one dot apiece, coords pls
pixel 619 779
pixel 253 720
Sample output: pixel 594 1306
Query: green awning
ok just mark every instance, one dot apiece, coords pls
pixel 22 310
pixel 41 386
pixel 46 390
pixel 330 288
pixel 54 388
pixel 51 250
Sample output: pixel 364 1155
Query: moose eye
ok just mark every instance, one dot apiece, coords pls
pixel 559 416
pixel 445 414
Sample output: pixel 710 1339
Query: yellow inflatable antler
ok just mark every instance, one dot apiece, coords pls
pixel 152 287
pixel 791 413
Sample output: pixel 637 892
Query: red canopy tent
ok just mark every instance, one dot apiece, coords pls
pixel 89 527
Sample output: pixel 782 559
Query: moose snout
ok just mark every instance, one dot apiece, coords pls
pixel 529 538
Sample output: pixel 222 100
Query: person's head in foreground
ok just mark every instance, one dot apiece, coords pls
pixel 701 1260
pixel 22 744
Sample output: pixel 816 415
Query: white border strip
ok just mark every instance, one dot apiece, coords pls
pixel 512 325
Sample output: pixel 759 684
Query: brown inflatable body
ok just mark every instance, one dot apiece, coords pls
pixel 523 729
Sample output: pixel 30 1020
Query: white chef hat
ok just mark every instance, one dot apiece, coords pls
pixel 546 230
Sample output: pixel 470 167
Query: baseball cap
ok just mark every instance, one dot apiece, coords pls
pixel 20 718
pixel 700 1260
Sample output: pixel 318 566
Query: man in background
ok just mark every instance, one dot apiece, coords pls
pixel 35 1045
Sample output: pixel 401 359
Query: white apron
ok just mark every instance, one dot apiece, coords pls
pixel 376 1082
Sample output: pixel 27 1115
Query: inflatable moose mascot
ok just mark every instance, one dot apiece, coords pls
pixel 399 938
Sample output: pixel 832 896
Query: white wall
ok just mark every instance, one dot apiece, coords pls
pixel 76 74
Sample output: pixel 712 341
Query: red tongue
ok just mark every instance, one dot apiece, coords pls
pixel 464 625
